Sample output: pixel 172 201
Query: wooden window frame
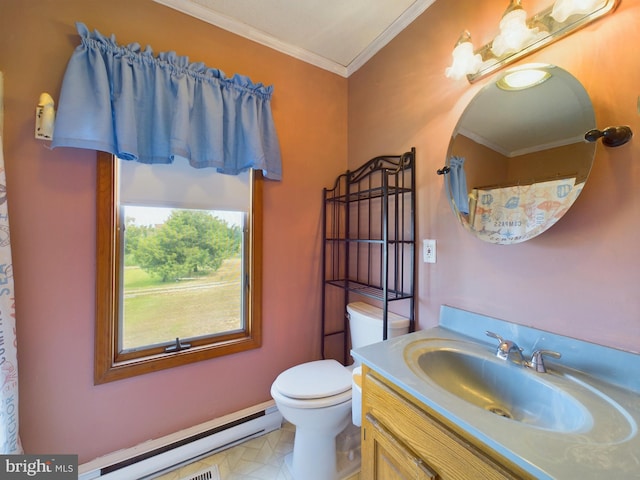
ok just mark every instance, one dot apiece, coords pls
pixel 109 364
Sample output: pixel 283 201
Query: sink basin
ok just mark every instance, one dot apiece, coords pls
pixel 581 419
pixel 502 388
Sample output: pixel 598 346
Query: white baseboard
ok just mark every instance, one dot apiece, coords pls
pixel 154 457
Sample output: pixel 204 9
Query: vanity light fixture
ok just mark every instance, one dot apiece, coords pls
pixel 521 35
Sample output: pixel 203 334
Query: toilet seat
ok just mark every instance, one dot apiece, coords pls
pixel 315 403
pixel 318 384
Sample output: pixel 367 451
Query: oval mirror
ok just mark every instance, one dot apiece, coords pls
pixel 518 159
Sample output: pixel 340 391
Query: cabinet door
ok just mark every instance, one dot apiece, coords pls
pixel 407 439
pixel 385 457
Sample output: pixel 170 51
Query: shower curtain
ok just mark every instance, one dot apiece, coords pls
pixel 9 439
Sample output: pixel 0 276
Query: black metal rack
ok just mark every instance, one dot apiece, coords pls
pixel 369 243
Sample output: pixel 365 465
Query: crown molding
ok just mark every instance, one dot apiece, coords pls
pixel 248 32
pixel 231 25
pixel 402 22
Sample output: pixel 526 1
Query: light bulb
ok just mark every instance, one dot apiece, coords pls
pixel 563 9
pixel 514 33
pixel 465 62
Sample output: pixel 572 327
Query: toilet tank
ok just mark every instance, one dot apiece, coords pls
pixel 365 324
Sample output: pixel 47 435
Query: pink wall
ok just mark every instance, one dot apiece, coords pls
pixel 52 210
pixel 580 278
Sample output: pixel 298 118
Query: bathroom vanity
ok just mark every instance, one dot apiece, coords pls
pixel 438 403
pixel 403 438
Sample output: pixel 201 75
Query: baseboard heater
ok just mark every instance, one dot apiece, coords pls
pixel 156 457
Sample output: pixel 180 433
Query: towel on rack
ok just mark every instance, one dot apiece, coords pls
pixel 457 184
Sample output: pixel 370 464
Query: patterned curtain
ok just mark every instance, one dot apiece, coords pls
pixel 150 109
pixel 9 439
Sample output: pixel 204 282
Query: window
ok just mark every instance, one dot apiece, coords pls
pixel 178 279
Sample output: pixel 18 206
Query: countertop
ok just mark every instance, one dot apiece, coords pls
pixel 609 448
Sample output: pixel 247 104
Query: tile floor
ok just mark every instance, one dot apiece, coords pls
pixel 261 458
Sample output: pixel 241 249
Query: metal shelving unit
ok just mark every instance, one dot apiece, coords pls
pixel 369 243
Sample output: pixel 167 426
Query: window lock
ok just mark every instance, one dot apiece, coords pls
pixel 177 347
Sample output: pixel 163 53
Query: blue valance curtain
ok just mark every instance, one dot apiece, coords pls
pixel 126 101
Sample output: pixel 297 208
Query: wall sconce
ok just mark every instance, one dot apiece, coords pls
pixel 519 36
pixel 45 117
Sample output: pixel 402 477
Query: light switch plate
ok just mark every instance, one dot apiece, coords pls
pixel 429 250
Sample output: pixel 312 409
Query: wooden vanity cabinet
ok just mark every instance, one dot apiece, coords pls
pixel 403 439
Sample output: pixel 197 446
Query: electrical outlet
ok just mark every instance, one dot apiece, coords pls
pixel 429 250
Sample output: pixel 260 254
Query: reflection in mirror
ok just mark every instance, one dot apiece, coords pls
pixel 517 157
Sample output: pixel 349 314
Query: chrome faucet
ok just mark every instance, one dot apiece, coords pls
pixel 537 363
pixel 506 349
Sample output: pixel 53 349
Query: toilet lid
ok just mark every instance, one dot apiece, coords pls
pixel 318 379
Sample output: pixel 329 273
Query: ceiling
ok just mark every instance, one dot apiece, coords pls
pixel 336 35
pixel 551 114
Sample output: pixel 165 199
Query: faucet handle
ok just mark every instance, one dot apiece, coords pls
pixel 494 335
pixel 505 347
pixel 537 362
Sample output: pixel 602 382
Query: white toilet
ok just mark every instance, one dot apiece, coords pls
pixel 316 397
